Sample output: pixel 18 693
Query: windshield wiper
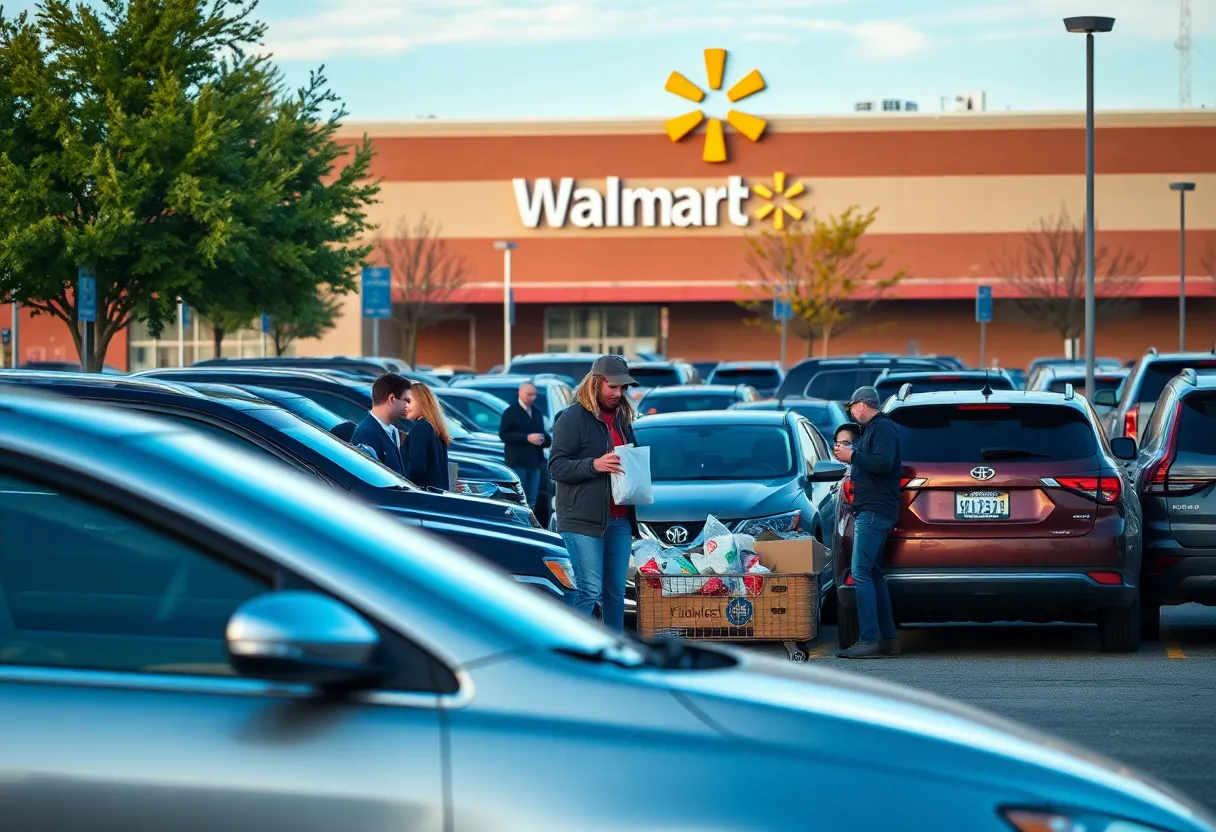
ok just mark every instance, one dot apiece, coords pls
pixel 1011 453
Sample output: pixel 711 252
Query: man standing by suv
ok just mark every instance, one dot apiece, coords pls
pixel 522 432
pixel 875 473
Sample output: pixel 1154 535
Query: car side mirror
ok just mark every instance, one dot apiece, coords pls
pixel 1106 398
pixel 827 470
pixel 1124 447
pixel 303 638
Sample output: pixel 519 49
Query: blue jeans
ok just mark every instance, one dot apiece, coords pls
pixel 601 567
pixel 874 617
pixel 529 478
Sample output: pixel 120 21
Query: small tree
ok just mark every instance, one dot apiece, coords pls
pixel 224 322
pixel 311 320
pixel 1047 274
pixel 425 275
pixel 821 270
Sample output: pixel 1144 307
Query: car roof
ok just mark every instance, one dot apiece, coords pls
pixel 929 373
pixel 179 395
pixel 717 417
pixel 977 397
pixel 167 373
pixel 557 356
pixel 745 365
pixel 693 389
pixel 1178 356
pixel 666 364
pixel 761 404
pixel 1197 381
pixel 504 380
pixel 53 378
pixel 1079 372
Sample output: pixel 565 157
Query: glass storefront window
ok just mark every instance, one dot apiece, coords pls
pixel 624 330
pixel 146 352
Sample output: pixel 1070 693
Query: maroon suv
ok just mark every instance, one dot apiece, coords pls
pixel 1014 508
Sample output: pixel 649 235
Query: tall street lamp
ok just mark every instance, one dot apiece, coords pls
pixel 506 247
pixel 1182 188
pixel 1088 26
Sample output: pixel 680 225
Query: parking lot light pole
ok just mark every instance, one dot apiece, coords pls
pixel 1088 26
pixel 1182 188
pixel 506 247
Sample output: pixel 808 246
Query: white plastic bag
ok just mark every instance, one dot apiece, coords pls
pixel 632 486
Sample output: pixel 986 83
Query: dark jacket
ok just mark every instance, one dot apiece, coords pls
pixel 371 434
pixel 583 493
pixel 514 430
pixel 876 469
pixel 426 458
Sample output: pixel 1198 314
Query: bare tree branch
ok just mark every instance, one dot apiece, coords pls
pixel 426 274
pixel 1047 273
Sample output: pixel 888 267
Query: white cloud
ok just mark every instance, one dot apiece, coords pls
pixel 769 37
pixel 358 28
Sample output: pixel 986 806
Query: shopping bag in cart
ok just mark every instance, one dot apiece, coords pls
pixel 631 487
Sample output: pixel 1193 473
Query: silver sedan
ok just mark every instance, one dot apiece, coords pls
pixel 190 640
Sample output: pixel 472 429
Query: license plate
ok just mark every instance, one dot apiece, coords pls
pixel 981 505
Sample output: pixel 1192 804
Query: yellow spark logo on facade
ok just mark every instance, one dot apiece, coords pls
pixel 715 140
pixel 786 208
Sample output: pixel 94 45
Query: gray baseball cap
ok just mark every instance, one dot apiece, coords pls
pixel 865 395
pixel 614 369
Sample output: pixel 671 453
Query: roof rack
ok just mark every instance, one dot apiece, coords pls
pixel 1152 351
pixel 1069 392
pixel 904 392
pixel 1190 376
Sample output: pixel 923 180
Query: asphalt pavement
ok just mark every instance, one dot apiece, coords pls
pixel 1154 710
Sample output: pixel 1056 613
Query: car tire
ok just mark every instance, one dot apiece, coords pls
pixel 847 628
pixel 1119 629
pixel 1150 618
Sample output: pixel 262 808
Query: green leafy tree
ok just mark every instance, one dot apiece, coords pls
pixel 139 138
pixel 822 270
pixel 313 319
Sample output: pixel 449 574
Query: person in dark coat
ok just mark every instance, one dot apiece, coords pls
pixel 376 435
pixel 522 432
pixel 426 455
pixel 875 467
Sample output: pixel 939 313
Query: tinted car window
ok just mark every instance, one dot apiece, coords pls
pixel 759 378
pixel 571 369
pixel 684 404
pixel 655 376
pixel 89 589
pixel 838 385
pixel 1019 432
pixel 301 406
pixel 344 408
pixel 1197 424
pixel 353 461
pixel 510 394
pixel 483 415
pixel 1159 374
pixel 719 452
pixel 889 387
pixel 825 417
pixel 1109 383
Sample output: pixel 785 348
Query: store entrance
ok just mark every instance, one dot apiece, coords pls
pixel 623 330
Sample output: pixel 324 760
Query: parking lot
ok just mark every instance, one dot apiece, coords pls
pixel 1154 710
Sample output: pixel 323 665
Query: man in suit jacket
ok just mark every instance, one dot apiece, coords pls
pixel 523 433
pixel 376 434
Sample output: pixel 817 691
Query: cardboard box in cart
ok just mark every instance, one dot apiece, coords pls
pixel 785 609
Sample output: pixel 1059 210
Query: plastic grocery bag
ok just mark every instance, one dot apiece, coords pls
pixel 632 486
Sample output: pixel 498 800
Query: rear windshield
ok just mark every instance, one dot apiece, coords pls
pixel 993 433
pixel 684 404
pixel 758 377
pixel 573 370
pixel 1159 374
pixel 838 385
pixel 1197 424
pixel 1108 383
pixel 717 452
pixel 354 462
pixel 655 376
pixel 510 395
pixel 942 384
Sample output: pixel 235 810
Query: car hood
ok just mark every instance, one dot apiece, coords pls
pixel 725 499
pixel 868 722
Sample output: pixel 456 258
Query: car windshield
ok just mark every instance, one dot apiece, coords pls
pixel 825 416
pixel 655 376
pixel 1197 424
pixel 1159 374
pixel 762 378
pixel 487 417
pixel 300 406
pixel 838 385
pixel 574 369
pixel 987 432
pixel 349 459
pixel 685 403
pixel 718 452
pixel 939 384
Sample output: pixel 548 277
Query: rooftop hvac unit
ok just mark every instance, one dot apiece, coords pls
pixel 971 102
pixel 863 106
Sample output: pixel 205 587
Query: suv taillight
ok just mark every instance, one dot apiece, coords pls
pixel 846 491
pixel 1129 421
pixel 1157 478
pixel 1099 489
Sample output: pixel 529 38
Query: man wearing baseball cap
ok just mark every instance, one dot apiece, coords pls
pixel 875 473
pixel 598 533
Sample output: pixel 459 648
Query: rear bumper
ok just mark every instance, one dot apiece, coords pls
pixel 1000 595
pixel 1174 574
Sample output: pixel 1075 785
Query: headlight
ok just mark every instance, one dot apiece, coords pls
pixel 756 526
pixel 563 570
pixel 476 488
pixel 1032 820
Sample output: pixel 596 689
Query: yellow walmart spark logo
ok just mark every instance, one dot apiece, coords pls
pixel 779 211
pixel 715 140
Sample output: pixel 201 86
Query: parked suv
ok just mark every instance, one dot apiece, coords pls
pixel 1134 406
pixel 1175 474
pixel 890 382
pixel 1014 508
pixel 837 378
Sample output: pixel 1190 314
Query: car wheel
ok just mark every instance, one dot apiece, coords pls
pixel 1120 629
pixel 847 629
pixel 1150 618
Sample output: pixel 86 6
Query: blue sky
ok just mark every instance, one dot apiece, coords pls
pixel 472 59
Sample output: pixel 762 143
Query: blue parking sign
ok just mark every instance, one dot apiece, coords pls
pixel 86 294
pixel 267 324
pixel 783 310
pixel 377 292
pixel 6 336
pixel 983 304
